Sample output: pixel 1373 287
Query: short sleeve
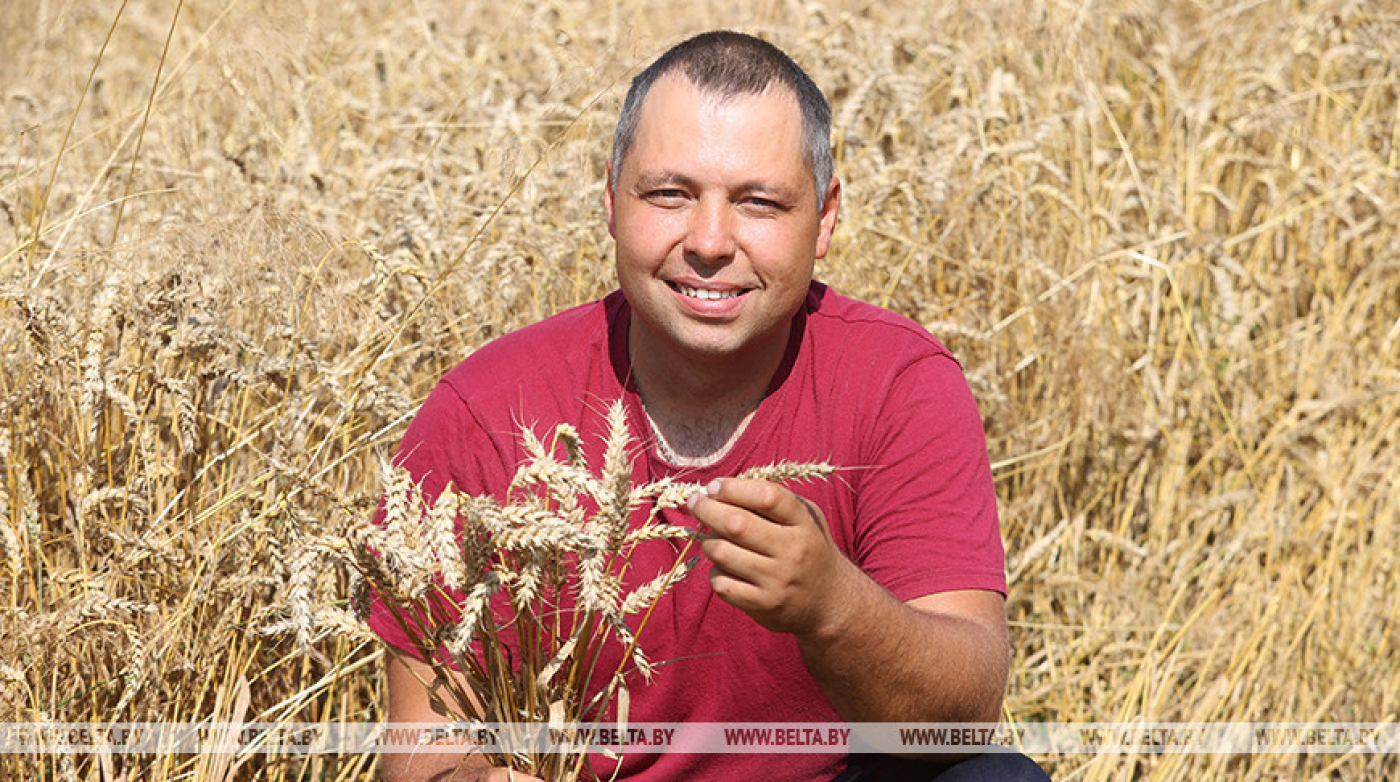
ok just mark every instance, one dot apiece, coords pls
pixel 927 514
pixel 444 445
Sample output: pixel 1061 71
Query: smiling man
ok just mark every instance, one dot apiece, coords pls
pixel 718 220
pixel 877 596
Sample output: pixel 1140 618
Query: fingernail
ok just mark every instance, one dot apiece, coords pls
pixel 712 488
pixel 692 499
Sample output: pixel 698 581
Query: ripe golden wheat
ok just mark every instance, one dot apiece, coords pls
pixel 543 576
pixel 1159 236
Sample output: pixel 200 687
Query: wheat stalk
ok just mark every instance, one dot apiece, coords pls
pixel 532 550
pixel 244 272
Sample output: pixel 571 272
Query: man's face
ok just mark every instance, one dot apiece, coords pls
pixel 716 222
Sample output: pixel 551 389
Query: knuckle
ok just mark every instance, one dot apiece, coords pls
pixel 733 522
pixel 768 495
pixel 713 549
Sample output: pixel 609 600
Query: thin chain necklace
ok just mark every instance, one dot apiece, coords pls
pixel 662 447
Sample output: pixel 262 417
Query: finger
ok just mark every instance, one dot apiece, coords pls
pixel 731 559
pixel 764 498
pixel 734 524
pixel 741 594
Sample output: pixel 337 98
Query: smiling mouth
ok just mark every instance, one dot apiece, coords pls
pixel 707 295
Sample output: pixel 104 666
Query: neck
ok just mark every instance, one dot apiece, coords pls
pixel 699 405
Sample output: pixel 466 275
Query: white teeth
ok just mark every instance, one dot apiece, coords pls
pixel 706 295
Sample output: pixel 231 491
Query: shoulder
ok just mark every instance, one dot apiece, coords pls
pixel 850 331
pixel 546 353
pixel 467 429
pixel 885 374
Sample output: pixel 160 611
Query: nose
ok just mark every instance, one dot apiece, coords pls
pixel 709 237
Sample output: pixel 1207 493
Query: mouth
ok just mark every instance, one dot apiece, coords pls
pixel 706 294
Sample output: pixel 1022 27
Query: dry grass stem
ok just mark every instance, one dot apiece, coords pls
pixel 542 578
pixel 1160 237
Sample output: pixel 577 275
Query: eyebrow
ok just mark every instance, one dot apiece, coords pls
pixel 781 193
pixel 649 181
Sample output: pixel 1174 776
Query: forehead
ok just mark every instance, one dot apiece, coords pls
pixel 680 121
pixel 677 81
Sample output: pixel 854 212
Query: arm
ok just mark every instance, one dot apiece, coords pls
pixel 939 658
pixel 409 702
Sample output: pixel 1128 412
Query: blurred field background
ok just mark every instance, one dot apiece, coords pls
pixel 240 241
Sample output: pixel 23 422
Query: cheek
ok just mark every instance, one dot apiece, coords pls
pixel 780 252
pixel 645 237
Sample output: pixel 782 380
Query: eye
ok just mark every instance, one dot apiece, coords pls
pixel 665 196
pixel 764 206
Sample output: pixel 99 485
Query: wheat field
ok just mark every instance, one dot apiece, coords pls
pixel 240 241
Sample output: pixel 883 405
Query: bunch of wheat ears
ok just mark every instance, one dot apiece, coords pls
pixel 543 576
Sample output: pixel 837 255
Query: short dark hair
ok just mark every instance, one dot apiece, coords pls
pixel 730 64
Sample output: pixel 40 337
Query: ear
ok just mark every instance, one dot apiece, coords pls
pixel 831 206
pixel 608 200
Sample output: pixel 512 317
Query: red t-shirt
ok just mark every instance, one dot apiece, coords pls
pixel 860 387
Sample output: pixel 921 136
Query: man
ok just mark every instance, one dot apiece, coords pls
pixel 876 596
